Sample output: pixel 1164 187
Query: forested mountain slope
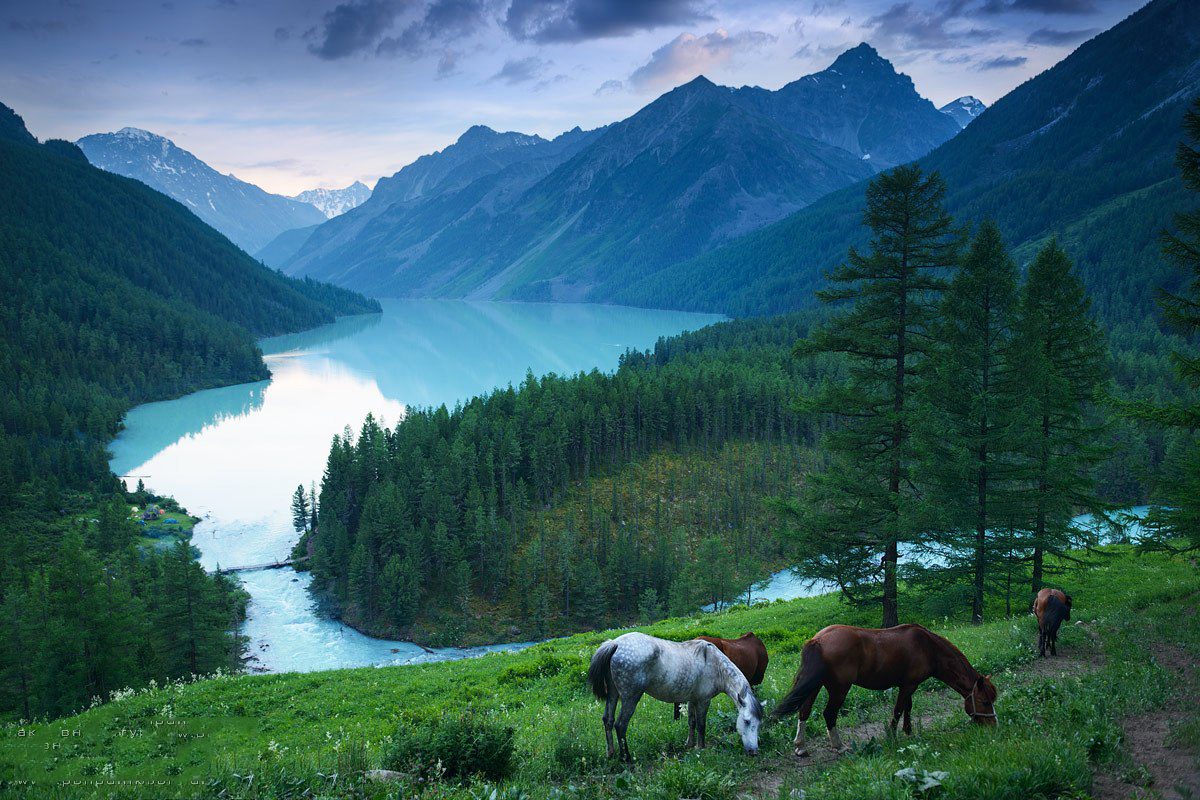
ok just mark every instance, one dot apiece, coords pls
pixel 1084 151
pixel 699 165
pixel 251 217
pixel 111 294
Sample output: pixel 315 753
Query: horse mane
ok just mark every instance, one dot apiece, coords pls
pixel 948 652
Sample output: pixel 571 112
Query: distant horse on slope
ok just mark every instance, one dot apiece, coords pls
pixel 747 652
pixel 904 656
pixel 690 672
pixel 1052 607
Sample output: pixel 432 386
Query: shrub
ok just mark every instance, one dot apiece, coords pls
pixel 455 746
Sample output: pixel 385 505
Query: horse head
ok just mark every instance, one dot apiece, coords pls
pixel 750 713
pixel 980 702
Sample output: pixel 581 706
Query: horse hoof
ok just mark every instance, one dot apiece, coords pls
pixel 801 752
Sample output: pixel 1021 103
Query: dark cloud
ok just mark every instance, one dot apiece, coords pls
pixel 1055 38
pixel 442 21
pixel 687 56
pixel 520 70
pixel 1040 6
pixel 283 34
pixel 578 20
pixel 195 42
pixel 354 26
pixel 909 26
pixel 1002 62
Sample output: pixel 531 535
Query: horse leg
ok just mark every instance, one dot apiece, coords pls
pixel 837 696
pixel 801 721
pixel 701 708
pixel 906 694
pixel 628 706
pixel 691 740
pixel 610 709
pixel 1041 643
pixel 903 709
pixel 1054 643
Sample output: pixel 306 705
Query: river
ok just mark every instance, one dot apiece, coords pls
pixel 234 456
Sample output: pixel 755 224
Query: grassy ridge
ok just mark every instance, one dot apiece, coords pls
pixel 295 731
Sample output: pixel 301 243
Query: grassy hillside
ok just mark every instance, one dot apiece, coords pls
pixel 1128 660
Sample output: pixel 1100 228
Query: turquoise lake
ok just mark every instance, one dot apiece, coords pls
pixel 234 456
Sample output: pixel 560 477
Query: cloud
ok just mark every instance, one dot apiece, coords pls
pixel 352 27
pixel 907 26
pixel 448 64
pixel 609 87
pixel 687 55
pixel 520 70
pixel 283 34
pixel 1002 62
pixel 195 42
pixel 1040 6
pixel 1054 38
pixel 442 21
pixel 577 20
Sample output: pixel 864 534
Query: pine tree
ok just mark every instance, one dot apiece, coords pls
pixel 1179 515
pixel 967 435
pixel 1063 358
pixel 300 510
pixel 863 505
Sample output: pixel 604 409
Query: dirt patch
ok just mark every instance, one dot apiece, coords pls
pixel 1161 770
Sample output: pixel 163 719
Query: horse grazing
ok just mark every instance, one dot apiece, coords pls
pixel 1052 608
pixel 747 652
pixel 691 672
pixel 905 656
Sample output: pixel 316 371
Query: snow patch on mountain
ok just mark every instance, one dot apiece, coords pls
pixel 333 202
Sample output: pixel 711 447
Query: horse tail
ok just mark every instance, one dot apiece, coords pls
pixel 598 672
pixel 809 680
pixel 1054 615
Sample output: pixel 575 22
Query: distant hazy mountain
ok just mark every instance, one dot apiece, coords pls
pixel 332 202
pixel 1084 152
pixel 281 249
pixel 247 215
pixel 964 109
pixel 512 215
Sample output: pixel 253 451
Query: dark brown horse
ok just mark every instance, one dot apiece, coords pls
pixel 747 652
pixel 1052 607
pixel 904 656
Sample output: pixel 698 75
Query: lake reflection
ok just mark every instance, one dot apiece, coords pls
pixel 235 455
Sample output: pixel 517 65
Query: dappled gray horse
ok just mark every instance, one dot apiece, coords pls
pixel 691 672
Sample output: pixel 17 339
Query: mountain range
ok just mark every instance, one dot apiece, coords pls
pixel 249 216
pixel 508 215
pixel 1083 152
pixel 332 202
pixel 964 109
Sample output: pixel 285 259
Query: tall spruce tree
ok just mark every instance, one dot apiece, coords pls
pixel 1178 518
pixel 1064 358
pixel 863 505
pixel 968 437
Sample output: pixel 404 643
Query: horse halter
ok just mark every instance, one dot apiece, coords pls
pixel 973 713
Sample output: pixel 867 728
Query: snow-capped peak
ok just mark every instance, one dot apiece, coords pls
pixel 964 109
pixel 137 133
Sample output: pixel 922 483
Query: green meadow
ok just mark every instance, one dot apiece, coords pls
pixel 526 725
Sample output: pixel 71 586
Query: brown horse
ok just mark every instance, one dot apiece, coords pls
pixel 1052 607
pixel 748 654
pixel 904 656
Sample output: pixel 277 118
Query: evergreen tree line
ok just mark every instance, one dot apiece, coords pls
pixel 969 432
pixel 545 498
pixel 86 611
